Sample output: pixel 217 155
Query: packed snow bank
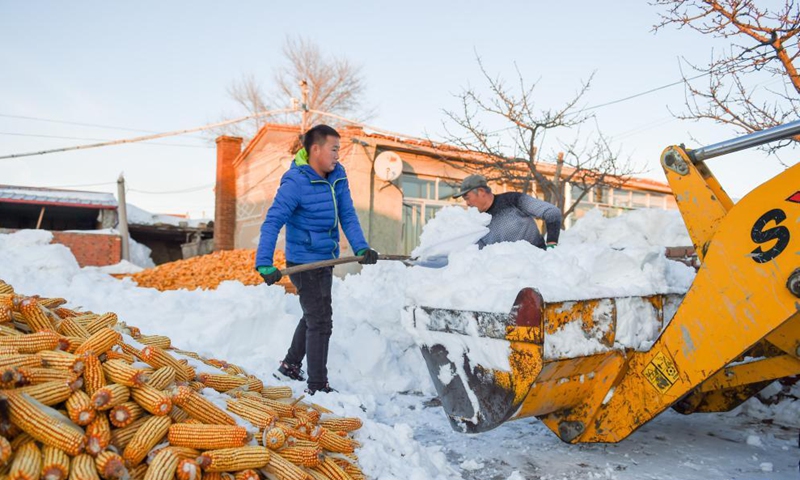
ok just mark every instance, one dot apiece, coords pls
pixel 452 229
pixel 629 264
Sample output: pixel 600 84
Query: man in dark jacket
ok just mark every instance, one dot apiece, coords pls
pixel 513 214
pixel 313 200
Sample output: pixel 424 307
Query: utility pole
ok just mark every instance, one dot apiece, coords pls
pixel 122 210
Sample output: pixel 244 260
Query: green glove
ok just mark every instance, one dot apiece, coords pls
pixel 269 273
pixel 551 245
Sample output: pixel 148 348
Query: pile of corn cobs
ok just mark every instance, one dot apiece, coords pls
pixel 85 396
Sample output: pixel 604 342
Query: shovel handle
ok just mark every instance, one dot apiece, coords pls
pixel 337 261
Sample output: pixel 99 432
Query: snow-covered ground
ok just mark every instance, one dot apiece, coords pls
pixel 381 376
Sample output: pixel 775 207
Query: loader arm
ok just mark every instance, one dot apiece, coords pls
pixel 736 329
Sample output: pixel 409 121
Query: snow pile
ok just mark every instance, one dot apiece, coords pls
pixel 453 229
pixel 489 279
pixel 638 228
pixel 140 255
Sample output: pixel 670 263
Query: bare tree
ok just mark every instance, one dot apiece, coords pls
pixel 309 80
pixel 514 153
pixel 764 48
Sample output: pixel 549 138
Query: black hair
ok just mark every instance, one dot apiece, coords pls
pixel 318 135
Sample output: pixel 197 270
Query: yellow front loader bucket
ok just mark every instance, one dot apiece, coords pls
pixel 736 330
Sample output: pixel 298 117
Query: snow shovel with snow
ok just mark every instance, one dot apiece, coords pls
pixel 431 262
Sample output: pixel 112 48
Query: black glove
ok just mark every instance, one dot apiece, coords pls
pixel 370 256
pixel 270 274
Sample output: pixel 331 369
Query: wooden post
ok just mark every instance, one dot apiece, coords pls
pixel 39 222
pixel 122 209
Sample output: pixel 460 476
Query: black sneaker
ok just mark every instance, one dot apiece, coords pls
pixel 290 372
pixel 324 389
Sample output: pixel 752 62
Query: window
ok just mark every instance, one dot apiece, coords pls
pixel 622 198
pixel 423 197
pixel 639 199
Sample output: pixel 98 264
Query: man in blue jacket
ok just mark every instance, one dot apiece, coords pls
pixel 312 201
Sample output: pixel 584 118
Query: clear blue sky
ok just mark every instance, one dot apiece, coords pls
pixel 161 66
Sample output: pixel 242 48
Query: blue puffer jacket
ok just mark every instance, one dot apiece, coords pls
pixel 312 208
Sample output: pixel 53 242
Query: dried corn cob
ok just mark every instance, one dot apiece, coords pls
pixel 5 451
pixel 106 320
pixel 11 377
pixel 21 360
pixel 27 464
pixel 158 357
pixel 302 456
pixel 147 436
pixel 153 400
pixel 276 393
pixel 254 384
pixel 5 288
pixel 65 312
pixel 200 408
pixel 222 382
pixel 121 437
pixel 274 438
pixel 256 402
pixel 120 355
pixel 196 386
pixel 330 470
pixel 178 416
pixel 188 469
pixel 8 350
pixel 124 414
pixel 248 474
pixel 49 393
pixel 98 435
pixel 60 360
pixel 45 424
pixel 35 316
pixel 100 342
pixel 309 416
pixel 20 440
pixel 257 417
pixel 122 373
pixel 185 452
pixel 333 442
pixel 9 331
pixel 51 303
pixel 93 375
pixel 232 459
pixel 79 408
pixel 72 344
pixel 205 437
pixel 83 467
pixel 162 378
pixel 163 465
pixel 34 342
pixel 282 408
pixel 138 472
pixel 71 328
pixel 128 349
pixel 284 469
pixel 108 397
pixel 35 376
pixel 111 466
pixel 155 340
pixel 56 464
pixel 352 469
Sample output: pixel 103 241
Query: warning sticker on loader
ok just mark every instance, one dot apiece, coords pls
pixel 661 372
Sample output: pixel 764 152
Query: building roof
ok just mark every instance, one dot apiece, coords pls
pixel 57 197
pixel 412 144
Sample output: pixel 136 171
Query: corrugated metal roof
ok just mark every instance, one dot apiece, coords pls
pixel 52 196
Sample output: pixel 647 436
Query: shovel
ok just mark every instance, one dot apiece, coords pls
pixel 430 262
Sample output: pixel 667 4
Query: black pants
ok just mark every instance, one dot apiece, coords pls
pixel 313 332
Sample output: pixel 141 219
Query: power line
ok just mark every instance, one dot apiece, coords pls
pixel 80 124
pixel 151 137
pixel 170 192
pixel 100 139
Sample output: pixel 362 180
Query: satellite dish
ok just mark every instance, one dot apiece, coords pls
pixel 388 166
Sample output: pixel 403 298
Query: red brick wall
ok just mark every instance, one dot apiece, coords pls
pixel 91 249
pixel 228 148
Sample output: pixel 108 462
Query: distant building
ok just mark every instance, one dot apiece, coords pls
pixel 84 221
pixel 392 212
